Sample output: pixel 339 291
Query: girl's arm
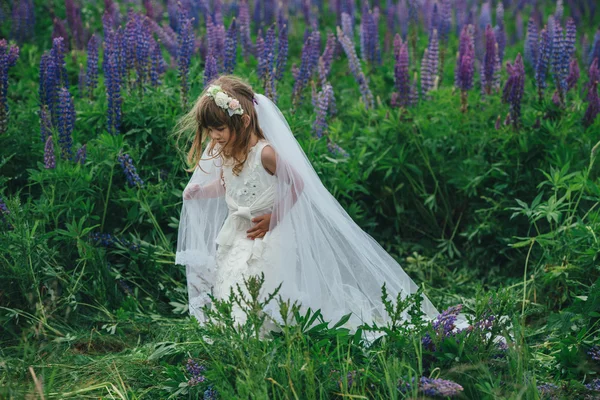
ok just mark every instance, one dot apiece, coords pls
pixel 210 190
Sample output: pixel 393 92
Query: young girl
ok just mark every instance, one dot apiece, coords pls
pixel 255 204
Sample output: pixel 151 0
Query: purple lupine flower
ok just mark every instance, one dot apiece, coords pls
pixel 443 325
pixel 547 389
pixel 321 108
pixel 166 35
pixel 336 150
pixel 195 370
pixel 356 69
pixel 8 59
pixel 45 123
pixel 282 51
pixel 59 29
pixel 541 68
pixel 593 99
pixel 210 69
pixel 112 81
pixel 108 240
pixel 48 88
pixel 269 57
pixel 91 79
pixel 559 67
pixel 309 60
pixel 244 18
pixel 594 353
pixel 489 60
pixel 499 31
pixel 23 20
pixel 184 53
pixel 513 90
pixel 347 26
pixel 570 38
pixel 73 12
pixel 158 65
pixel 531 43
pixel 465 66
pixel 559 11
pixel 230 48
pixel 58 55
pixel 81 155
pixel 426 78
pixel 445 20
pixel 261 68
pixel 369 38
pixel 574 73
pixel 593 385
pixel 595 48
pixel 433 57
pixel 129 170
pixel 401 72
pixel 326 58
pixel 439 387
pixel 485 16
pixel 210 393
pixel 66 120
pixel 49 158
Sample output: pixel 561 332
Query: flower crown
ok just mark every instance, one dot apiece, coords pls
pixel 224 101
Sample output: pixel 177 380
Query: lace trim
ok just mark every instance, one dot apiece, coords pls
pixel 193 257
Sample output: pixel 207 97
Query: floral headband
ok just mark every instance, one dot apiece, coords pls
pixel 224 101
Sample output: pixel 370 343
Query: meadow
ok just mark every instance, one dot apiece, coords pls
pixel 462 135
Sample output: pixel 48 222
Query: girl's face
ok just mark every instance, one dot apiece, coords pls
pixel 220 134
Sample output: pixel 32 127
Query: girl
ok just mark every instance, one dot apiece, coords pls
pixel 255 204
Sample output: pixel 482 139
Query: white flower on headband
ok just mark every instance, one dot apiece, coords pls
pixel 231 105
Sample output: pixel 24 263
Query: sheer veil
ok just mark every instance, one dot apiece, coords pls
pixel 326 261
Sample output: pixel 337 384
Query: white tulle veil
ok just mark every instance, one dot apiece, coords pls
pixel 328 262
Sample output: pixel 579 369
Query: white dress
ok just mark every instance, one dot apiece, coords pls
pixel 248 195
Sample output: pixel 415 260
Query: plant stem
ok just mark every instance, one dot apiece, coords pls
pixel 106 200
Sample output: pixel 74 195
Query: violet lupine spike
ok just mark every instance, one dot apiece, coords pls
pixel 433 57
pixel 356 69
pixel 443 325
pixel 595 48
pixel 91 77
pixel 326 58
pixel 402 16
pixel 532 43
pixel 112 82
pixel 23 20
pixel 49 157
pixel 401 71
pixel 261 68
pixel 570 38
pixel 445 20
pixel 166 36
pixel 231 48
pixel 158 65
pixel 184 54
pixel 558 13
pixel 310 55
pixel 81 155
pixel 541 68
pixel 574 74
pixel 195 370
pixel 8 59
pixel 560 62
pixel 59 29
pixel 499 31
pixel 347 26
pixel 465 65
pixel 73 12
pixel 489 60
pixel 321 104
pixel 66 121
pixel 434 20
pixel 129 170
pixel 244 18
pixel 594 353
pixel 426 78
pixel 513 90
pixel 58 54
pixel 439 387
pixel 282 52
pixel 48 85
pixel 210 70
pixel 592 97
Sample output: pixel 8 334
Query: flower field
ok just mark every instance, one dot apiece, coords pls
pixel 463 135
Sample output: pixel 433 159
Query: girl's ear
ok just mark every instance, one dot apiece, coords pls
pixel 246 120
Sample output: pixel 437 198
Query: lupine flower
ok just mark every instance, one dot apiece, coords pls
pixel 129 169
pixel 45 123
pixel 81 155
pixel 23 20
pixel 433 56
pixel 499 31
pixel 113 65
pixel 184 53
pixel 369 38
pixel 431 387
pixel 244 19
pixel 490 59
pixel 321 108
pixel 559 62
pixel 465 67
pixel 107 240
pixel 547 389
pixel 230 48
pixel 443 325
pixel 166 35
pixel 445 20
pixel 356 69
pixel 559 11
pixel 573 74
pixel 66 121
pixel 8 59
pixel 347 26
pixel 48 89
pixel 309 60
pixel 58 54
pixel 282 51
pixel 593 385
pixel 595 48
pixel 401 73
pixel 210 393
pixel 49 158
pixel 592 96
pixel 541 68
pixel 91 79
pixel 73 12
pixel 210 69
pixel 513 90
pixel 158 65
pixel 59 29
pixel 594 353
pixel 426 78
pixel 570 38
pixel 336 150
pixel 195 370
pixel 531 43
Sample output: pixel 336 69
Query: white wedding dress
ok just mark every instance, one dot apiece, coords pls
pixel 248 195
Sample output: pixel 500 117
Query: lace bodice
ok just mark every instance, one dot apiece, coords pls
pixel 252 182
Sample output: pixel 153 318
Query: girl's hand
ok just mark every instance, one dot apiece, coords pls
pixel 188 193
pixel 261 228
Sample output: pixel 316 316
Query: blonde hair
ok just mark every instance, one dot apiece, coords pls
pixel 205 113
